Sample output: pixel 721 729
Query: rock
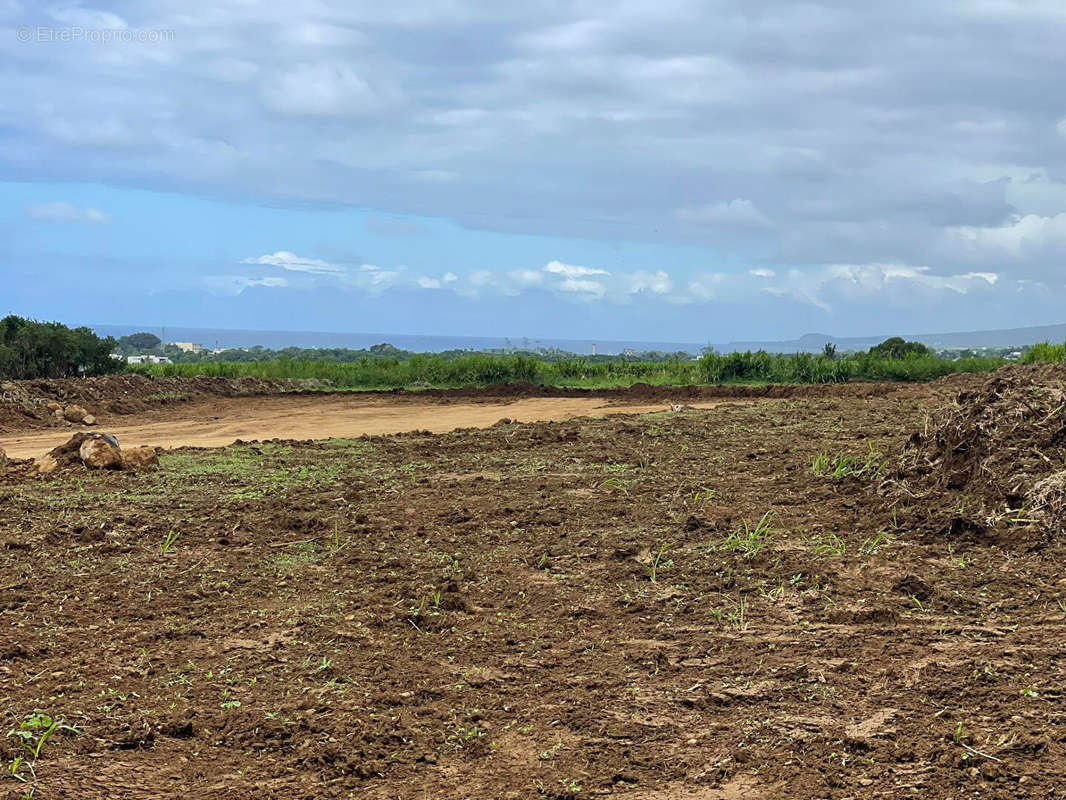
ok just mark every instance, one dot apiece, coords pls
pixel 88 419
pixel 3 458
pixel 140 458
pixel 47 465
pixel 58 414
pixel 100 451
pixel 74 413
pixel 54 406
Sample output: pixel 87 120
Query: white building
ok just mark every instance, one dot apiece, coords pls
pixel 147 360
pixel 188 347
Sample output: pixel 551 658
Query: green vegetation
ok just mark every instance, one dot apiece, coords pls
pixel 1045 353
pixel 31 349
pixel 31 734
pixel 481 369
pixel 749 541
pixel 842 466
pixel 896 347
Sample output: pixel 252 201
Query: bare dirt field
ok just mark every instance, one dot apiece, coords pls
pixel 821 595
pixel 221 421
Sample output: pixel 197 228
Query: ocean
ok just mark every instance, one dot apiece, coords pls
pixel 275 340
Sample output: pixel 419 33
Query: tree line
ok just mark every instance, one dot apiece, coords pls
pixel 31 349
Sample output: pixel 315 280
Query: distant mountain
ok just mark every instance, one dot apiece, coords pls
pixel 1006 337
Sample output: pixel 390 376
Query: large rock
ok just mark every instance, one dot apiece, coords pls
pixel 100 451
pixel 75 414
pixel 140 458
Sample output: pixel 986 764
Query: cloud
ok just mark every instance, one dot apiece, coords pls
pixel 737 213
pixel 762 272
pixel 571 270
pixel 320 90
pixel 294 263
pixel 795 138
pixel 87 17
pixel 1030 236
pixel 232 285
pixel 66 213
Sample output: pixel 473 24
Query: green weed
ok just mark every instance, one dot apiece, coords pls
pixel 749 541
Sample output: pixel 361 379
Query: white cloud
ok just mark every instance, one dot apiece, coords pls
pixel 294 263
pixel 762 273
pixel 321 89
pixel 68 214
pixel 1031 234
pixel 233 285
pixel 572 270
pixel 87 17
pixel 657 282
pixel 594 288
pixel 737 213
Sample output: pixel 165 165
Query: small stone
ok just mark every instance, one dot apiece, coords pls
pixel 54 406
pixel 140 458
pixel 89 419
pixel 47 465
pixel 75 414
pixel 3 458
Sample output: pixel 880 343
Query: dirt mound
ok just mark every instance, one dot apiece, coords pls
pixel 24 404
pixel 994 456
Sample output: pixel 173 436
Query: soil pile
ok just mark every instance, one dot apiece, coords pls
pixel 995 456
pixel 26 403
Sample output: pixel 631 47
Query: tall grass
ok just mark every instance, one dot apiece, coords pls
pixel 481 370
pixel 1045 353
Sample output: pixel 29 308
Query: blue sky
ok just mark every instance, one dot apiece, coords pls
pixel 676 170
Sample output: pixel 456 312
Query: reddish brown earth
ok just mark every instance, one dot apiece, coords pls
pixel 568 610
pixel 221 421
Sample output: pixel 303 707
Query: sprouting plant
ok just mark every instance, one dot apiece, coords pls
pixel 841 465
pixel 657 563
pixel 169 540
pixel 31 734
pixel 615 483
pixel 825 545
pixel 335 543
pixel 959 734
pixel 703 495
pixel 738 618
pixel 749 541
pixel 871 546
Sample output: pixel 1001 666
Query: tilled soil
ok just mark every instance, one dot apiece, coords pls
pixel 666 605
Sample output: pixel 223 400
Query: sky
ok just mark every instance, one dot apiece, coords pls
pixel 669 170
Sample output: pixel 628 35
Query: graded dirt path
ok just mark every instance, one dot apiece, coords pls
pixel 222 421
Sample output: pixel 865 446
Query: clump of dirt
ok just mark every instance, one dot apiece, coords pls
pixel 994 455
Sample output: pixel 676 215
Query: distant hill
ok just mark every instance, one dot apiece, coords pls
pixel 1006 337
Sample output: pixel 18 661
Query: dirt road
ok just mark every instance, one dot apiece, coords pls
pixel 221 421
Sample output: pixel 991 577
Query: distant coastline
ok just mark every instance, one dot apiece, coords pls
pixel 228 338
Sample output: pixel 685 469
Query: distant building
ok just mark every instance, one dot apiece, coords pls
pixel 188 347
pixel 147 360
